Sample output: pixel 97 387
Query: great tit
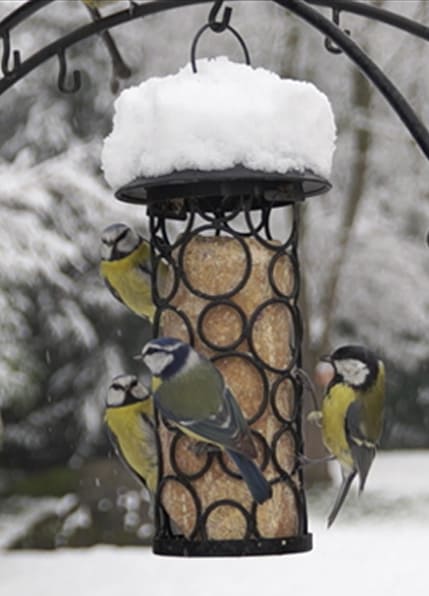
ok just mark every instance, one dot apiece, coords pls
pixel 130 421
pixel 126 268
pixel 352 414
pixel 192 395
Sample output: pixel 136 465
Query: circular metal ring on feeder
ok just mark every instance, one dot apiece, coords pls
pixel 294 265
pixel 262 225
pixel 265 385
pixel 292 430
pixel 163 300
pixel 179 436
pixel 267 242
pixel 217 216
pixel 158 224
pixel 250 529
pixel 244 229
pixel 296 393
pixel 283 479
pixel 217 189
pixel 191 490
pixel 181 315
pixel 223 457
pixel 295 330
pixel 298 495
pixel 289 432
pixel 212 306
pixel 220 296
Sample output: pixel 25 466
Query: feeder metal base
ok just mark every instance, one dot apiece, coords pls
pixel 180 547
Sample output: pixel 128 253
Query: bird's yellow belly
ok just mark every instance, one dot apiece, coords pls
pixel 135 446
pixel 334 408
pixel 131 285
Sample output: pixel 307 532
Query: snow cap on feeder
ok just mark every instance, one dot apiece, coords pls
pixel 190 133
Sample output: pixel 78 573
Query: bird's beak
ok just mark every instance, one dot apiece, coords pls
pixel 138 357
pixel 324 371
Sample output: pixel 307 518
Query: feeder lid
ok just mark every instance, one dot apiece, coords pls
pixel 209 121
pixel 223 188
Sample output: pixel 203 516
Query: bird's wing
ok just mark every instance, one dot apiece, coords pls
pixel 342 493
pixel 226 428
pixel 362 449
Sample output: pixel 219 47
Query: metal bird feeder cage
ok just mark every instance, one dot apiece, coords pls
pixel 232 293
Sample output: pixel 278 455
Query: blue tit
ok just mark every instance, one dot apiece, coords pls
pixel 352 414
pixel 126 268
pixel 130 421
pixel 193 396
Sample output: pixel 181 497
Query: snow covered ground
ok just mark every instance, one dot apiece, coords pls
pixel 378 545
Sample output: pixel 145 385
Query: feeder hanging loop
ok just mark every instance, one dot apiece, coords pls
pixel 218 27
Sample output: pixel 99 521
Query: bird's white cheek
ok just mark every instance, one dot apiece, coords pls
pixel 158 362
pixel 354 371
pixel 105 252
pixel 115 397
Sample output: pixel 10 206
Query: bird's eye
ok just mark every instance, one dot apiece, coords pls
pixel 150 350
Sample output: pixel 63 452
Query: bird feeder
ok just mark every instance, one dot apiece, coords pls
pixel 223 155
pixel 220 223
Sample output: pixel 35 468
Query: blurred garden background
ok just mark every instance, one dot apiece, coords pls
pixel 364 257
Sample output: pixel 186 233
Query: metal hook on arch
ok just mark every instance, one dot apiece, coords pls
pixel 329 45
pixel 62 76
pixel 219 26
pixel 7 71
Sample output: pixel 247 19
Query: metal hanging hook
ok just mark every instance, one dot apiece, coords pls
pixel 329 45
pixel 6 56
pixel 62 75
pixel 218 27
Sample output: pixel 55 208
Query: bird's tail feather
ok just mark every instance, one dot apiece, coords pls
pixel 252 475
pixel 342 493
pixel 363 458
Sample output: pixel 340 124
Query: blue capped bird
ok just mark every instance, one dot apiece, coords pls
pixel 192 395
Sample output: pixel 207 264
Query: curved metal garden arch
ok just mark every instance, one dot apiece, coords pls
pixel 14 69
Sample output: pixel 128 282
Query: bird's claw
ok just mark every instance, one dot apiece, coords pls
pixel 315 417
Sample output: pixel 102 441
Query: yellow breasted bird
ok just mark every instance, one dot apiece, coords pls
pixel 129 417
pixel 126 268
pixel 352 414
